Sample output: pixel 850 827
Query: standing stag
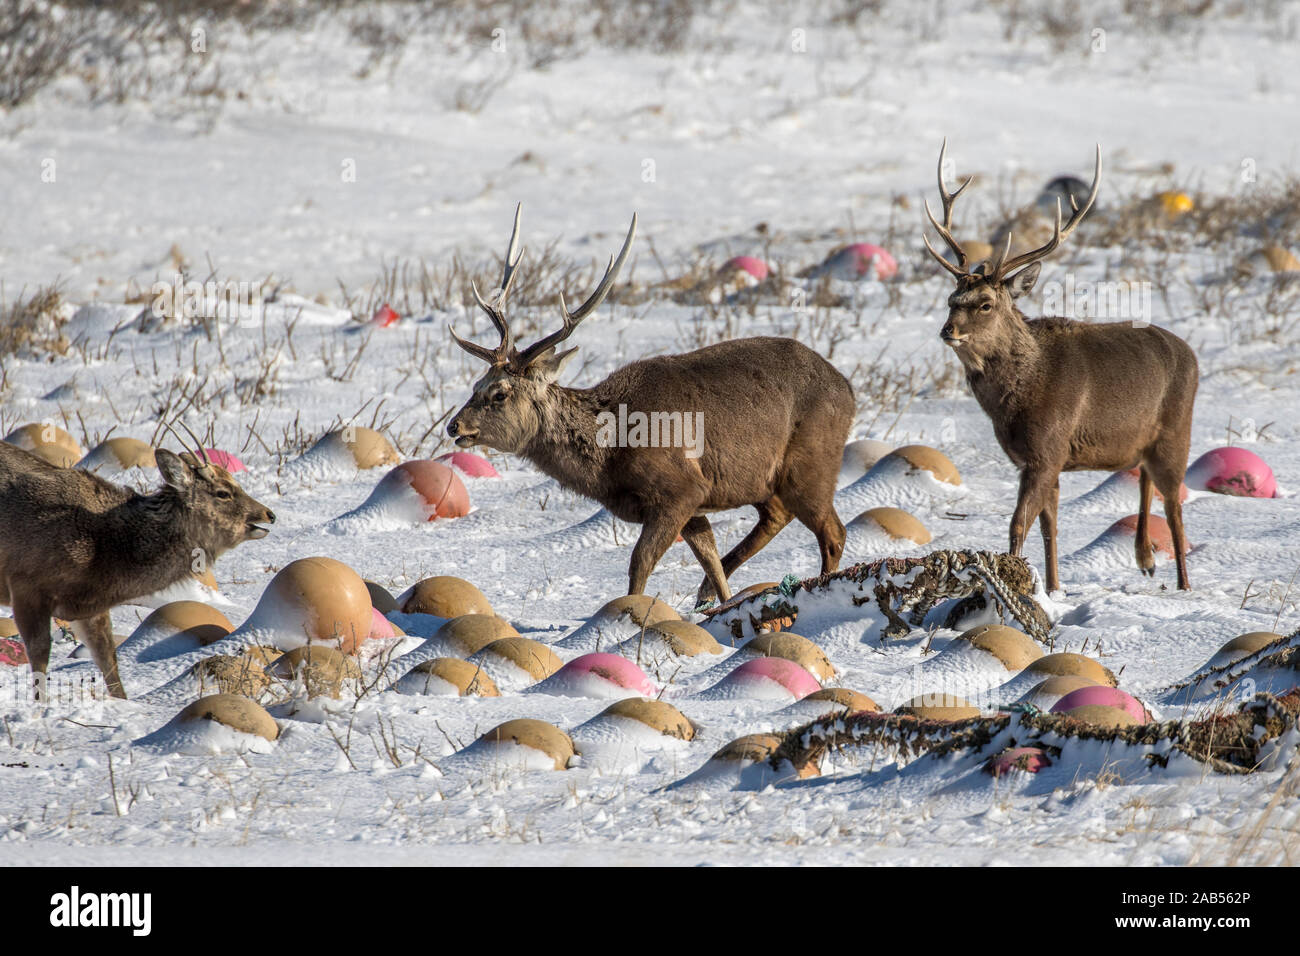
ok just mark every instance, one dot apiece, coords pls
pixel 774 417
pixel 73 545
pixel 1066 395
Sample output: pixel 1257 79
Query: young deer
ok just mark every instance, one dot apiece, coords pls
pixel 73 545
pixel 1065 395
pixel 776 417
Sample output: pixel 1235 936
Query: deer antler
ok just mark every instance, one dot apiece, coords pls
pixel 1001 266
pixel 184 447
pixel 571 319
pixel 945 230
pixel 505 349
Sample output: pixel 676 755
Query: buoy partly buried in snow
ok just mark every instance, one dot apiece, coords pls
pixel 548 743
pixel 894 523
pixel 117 455
pixel 599 675
pixel 231 710
pixel 444 596
pixel 1232 471
pixel 317 600
pixel 447 677
pixel 469 464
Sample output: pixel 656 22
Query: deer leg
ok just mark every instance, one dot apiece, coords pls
pixel 1169 482
pixel 1142 541
pixel 657 535
pixel 772 517
pixel 698 534
pixel 33 623
pixel 97 634
pixel 1047 525
pixel 1035 486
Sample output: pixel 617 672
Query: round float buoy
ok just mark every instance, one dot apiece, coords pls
pixel 681 638
pixel 1046 693
pixel 1243 646
pixel 447 677
pixel 860 457
pixel 659 716
pixel 239 674
pixel 850 701
pixel 381 599
pixel 1072 665
pixel 792 647
pixel 533 658
pixel 360 447
pixel 231 710
pixel 470 633
pixel 444 596
pixel 226 460
pixel 118 454
pixel 537 735
pixel 206 625
pixel 766 678
pixel 896 523
pixel 48 441
pixel 1100 715
pixel 925 458
pixel 599 675
pixel 317 600
pixel 939 707
pixel 1232 471
pixel 1014 649
pixel 1102 697
pixel 1027 759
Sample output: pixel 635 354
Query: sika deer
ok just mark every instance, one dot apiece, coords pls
pixel 1066 395
pixel 73 545
pixel 775 417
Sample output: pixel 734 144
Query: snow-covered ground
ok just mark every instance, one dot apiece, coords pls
pixel 825 132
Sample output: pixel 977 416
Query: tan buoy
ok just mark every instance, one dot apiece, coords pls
pixel 752 748
pixel 1014 649
pixel 537 735
pixel 661 717
pixel 1100 715
pixel 792 647
pixel 895 522
pixel 532 657
pixel 939 707
pixel 470 633
pixel 205 624
pixel 319 600
pixel 122 452
pixel 468 679
pixel 445 596
pixel 683 638
pixel 925 458
pixel 231 710
pixel 850 700
pixel 45 439
pixel 367 447
pixel 641 609
pixel 1072 665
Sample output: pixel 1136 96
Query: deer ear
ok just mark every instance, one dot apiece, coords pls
pixel 548 366
pixel 1023 281
pixel 174 471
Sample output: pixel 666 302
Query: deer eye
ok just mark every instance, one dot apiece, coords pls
pixel 498 397
pixel 225 495
pixel 986 307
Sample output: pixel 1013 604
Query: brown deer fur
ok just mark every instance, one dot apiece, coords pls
pixel 775 419
pixel 73 545
pixel 1071 396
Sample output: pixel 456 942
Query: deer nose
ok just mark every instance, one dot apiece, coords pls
pixel 947 331
pixel 453 427
pixel 270 516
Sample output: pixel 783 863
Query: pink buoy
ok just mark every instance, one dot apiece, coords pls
pixel 13 653
pixel 1232 471
pixel 1103 697
pixel 469 464
pixel 748 264
pixel 862 260
pixel 225 459
pixel 381 628
pixel 1028 759
pixel 384 316
pixel 613 668
pixel 797 681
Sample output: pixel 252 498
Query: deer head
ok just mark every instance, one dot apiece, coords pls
pixel 221 513
pixel 981 311
pixel 506 408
